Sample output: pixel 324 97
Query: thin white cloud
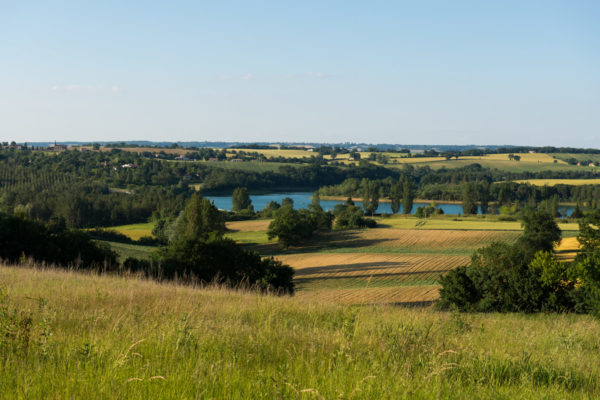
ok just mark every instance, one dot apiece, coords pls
pixel 77 88
pixel 236 77
pixel 319 75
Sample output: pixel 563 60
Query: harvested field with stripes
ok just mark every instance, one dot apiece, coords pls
pixel 383 265
pixel 398 262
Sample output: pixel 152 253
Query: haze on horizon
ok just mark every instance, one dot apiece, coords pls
pixel 516 72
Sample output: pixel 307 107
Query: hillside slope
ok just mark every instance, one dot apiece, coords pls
pixel 71 335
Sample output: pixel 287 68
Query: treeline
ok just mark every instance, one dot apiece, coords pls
pixel 480 187
pixel 53 243
pixel 197 252
pixel 91 189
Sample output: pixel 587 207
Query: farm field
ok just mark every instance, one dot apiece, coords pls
pixel 140 150
pixel 91 336
pixel 578 156
pixel 384 265
pixel 125 250
pixel 567 249
pixel 553 182
pixel 251 166
pixel 529 162
pixel 397 263
pixel 462 223
pixel 277 152
pixel 134 231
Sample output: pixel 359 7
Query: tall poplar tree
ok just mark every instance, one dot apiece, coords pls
pixel 408 196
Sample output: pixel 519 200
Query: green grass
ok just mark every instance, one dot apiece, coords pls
pixel 134 231
pixel 88 337
pixel 250 237
pixel 125 250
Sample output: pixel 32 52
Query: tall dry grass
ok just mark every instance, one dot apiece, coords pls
pixel 66 334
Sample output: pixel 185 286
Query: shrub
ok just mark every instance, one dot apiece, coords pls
pixel 523 277
pixel 223 261
pixel 349 216
pixel 291 226
pixel 57 245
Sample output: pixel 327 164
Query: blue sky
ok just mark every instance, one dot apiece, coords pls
pixel 427 72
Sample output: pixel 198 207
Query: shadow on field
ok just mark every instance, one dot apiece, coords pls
pixel 380 266
pixel 325 241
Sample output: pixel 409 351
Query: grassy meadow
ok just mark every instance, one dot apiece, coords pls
pixel 72 335
pixel 134 231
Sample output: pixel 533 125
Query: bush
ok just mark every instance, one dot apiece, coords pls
pixel 349 216
pixel 290 226
pixel 524 277
pixel 55 245
pixel 223 261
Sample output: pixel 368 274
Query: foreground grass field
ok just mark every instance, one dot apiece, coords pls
pixel 70 335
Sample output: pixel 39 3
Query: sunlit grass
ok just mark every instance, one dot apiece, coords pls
pixel 134 231
pixel 86 337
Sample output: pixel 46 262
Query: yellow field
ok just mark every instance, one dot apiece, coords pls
pixel 384 265
pixel 370 277
pixel 277 153
pixel 553 182
pixel 567 249
pixel 253 225
pixel 134 231
pixel 525 158
pixel 404 296
pixel 418 160
pixel 463 223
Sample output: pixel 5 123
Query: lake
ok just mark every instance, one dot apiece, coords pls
pixel 303 199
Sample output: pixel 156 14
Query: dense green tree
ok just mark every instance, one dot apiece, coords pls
pixel 469 205
pixel 224 262
pixel 408 196
pixel 199 220
pixel 524 277
pixel 290 226
pixel 349 216
pixel 370 194
pixel 52 244
pixel 484 197
pixel 540 231
pixel 287 201
pixel 395 197
pixel 578 211
pixel 316 198
pixel 271 206
pixel 241 199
